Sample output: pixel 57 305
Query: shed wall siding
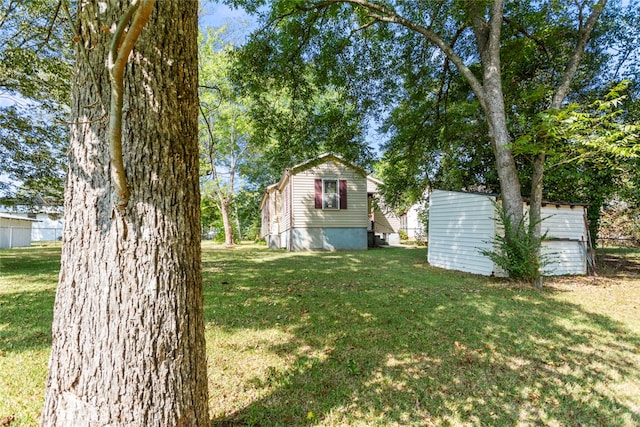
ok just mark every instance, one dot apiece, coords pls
pixel 14 233
pixel 305 215
pixel 46 229
pixel 463 224
pixel 565 256
pixel 460 226
pixel 564 222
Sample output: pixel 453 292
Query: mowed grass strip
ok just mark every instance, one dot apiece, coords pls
pixel 371 338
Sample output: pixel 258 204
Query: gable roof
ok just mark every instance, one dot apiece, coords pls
pixel 375 180
pixel 322 158
pixel 308 164
pixel 266 192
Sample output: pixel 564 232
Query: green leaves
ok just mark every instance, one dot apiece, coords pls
pixel 517 250
pixel 577 133
pixel 35 65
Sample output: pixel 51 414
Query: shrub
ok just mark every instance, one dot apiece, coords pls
pixel 518 250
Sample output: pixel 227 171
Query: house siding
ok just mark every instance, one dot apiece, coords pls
pixel 385 220
pixel 305 215
pixel 461 225
pixel 328 238
pixel 292 213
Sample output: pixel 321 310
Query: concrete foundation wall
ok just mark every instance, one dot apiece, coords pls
pixel 329 239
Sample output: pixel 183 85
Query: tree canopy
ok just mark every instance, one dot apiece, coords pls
pixel 426 71
pixel 35 60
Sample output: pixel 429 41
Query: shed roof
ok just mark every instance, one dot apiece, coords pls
pixel 22 218
pixel 525 200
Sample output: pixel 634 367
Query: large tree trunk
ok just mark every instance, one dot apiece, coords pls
pixel 236 219
pixel 491 98
pixel 505 164
pixel 128 332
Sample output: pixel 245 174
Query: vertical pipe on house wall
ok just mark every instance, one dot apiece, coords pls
pixel 291 212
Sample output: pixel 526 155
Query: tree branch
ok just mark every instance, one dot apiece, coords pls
pixel 364 26
pixel 383 14
pixel 572 66
pixel 122 44
pixel 51 24
pixel 445 72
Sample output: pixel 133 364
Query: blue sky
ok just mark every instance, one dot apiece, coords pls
pixel 239 24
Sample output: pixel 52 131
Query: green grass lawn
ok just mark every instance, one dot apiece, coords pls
pixel 373 338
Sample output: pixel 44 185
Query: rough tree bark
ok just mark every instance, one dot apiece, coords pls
pixel 128 332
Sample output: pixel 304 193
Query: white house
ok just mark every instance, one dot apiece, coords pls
pixel 15 231
pixel 462 225
pixel 411 223
pixel 318 204
pixel 325 203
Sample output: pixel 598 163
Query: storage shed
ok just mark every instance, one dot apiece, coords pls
pixel 462 225
pixel 15 231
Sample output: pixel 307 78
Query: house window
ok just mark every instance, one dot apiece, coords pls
pixel 330 195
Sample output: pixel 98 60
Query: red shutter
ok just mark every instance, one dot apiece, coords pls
pixel 318 188
pixel 343 194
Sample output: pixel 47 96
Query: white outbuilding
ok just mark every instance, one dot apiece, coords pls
pixel 15 231
pixel 463 225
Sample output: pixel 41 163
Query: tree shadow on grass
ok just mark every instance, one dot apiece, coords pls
pixel 619 262
pixel 384 340
pixel 25 320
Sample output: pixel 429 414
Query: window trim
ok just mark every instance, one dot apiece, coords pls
pixel 337 194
